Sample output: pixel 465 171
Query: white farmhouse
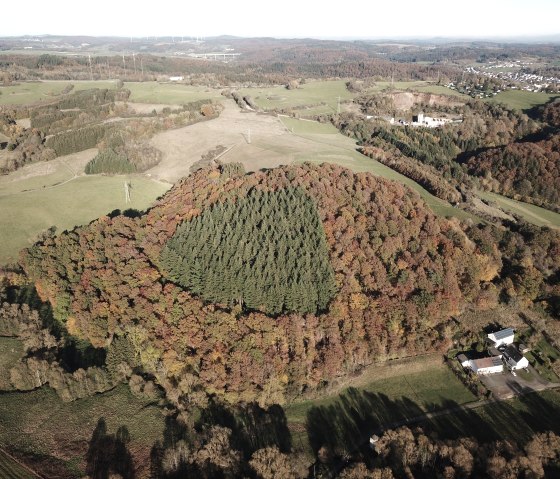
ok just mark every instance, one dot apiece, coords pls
pixel 176 78
pixel 505 336
pixel 484 366
pixel 514 359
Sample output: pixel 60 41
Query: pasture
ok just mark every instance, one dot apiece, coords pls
pixel 10 469
pixel 32 92
pixel 30 204
pixel 521 99
pixel 382 395
pixel 314 94
pixel 169 93
pixel 531 213
pixel 39 423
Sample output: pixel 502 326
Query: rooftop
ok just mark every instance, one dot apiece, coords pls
pixel 512 352
pixel 488 362
pixel 504 333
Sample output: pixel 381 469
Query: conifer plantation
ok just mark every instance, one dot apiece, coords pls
pixel 267 251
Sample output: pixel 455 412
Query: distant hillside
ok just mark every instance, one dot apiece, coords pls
pixel 400 272
pixel 529 171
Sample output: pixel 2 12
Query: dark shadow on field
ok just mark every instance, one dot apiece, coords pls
pixel 108 453
pixel 252 427
pixel 345 426
pixel 542 411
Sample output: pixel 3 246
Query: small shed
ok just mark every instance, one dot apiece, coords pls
pixel 504 336
pixel 514 359
pixel 523 348
pixel 485 366
pixel 463 360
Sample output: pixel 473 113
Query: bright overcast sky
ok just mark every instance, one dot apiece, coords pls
pixel 283 18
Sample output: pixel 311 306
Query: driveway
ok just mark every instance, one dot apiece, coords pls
pixel 506 385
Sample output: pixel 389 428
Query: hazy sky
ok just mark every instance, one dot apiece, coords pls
pixel 282 18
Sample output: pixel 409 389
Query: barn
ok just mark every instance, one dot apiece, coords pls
pixel 504 336
pixel 484 366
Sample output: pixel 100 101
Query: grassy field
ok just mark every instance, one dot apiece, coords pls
pixel 430 388
pixel 520 99
pixel 517 419
pixel 24 214
pixel 310 93
pixel 9 469
pixel 170 93
pixel 31 92
pixel 531 213
pixel 144 92
pixel 381 395
pixel 337 143
pixel 11 350
pixel 37 422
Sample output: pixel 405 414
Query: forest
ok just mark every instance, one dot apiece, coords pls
pixel 269 252
pixel 239 327
pixel 397 268
pixel 106 309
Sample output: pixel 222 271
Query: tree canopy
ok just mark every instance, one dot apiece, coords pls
pixel 267 250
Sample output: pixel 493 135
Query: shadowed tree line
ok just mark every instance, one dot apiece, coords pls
pixel 224 442
pixel 108 454
pixel 339 433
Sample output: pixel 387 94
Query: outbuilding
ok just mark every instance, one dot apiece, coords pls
pixel 485 366
pixel 504 336
pixel 463 360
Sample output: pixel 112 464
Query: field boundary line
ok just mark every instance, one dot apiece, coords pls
pixel 27 468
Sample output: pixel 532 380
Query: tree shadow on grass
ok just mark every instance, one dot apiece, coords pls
pixel 345 426
pixel 108 453
pixel 252 427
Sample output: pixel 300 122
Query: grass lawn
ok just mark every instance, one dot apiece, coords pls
pixel 442 90
pixel 517 419
pixel 521 99
pixel 170 93
pixel 537 358
pixel 30 92
pixel 306 127
pixel 11 350
pixel 531 213
pixel 24 215
pixel 38 422
pixel 9 469
pixel 372 402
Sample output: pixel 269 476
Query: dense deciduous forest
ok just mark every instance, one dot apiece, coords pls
pixel 400 273
pixel 528 169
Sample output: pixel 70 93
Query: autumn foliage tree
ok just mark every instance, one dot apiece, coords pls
pixel 400 273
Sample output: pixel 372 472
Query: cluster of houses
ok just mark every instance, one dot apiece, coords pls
pixel 503 353
pixel 514 74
